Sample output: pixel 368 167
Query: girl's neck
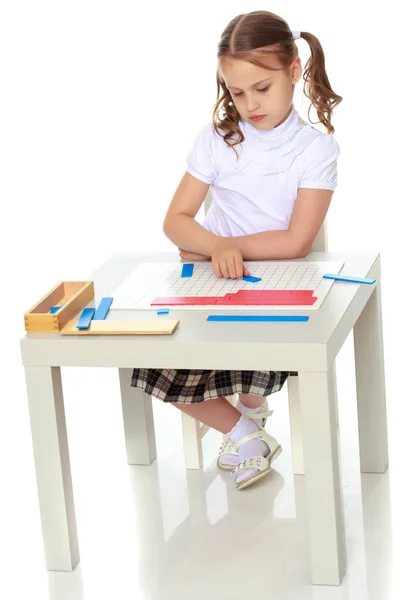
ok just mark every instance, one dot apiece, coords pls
pixel 285 117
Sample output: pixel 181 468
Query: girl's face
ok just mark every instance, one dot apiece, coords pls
pixel 259 91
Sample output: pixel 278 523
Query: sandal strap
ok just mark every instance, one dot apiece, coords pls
pixel 262 435
pixel 259 415
pixel 255 462
pixel 250 436
pixel 228 447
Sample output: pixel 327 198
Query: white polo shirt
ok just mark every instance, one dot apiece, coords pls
pixel 257 192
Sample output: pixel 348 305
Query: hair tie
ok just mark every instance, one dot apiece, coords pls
pixel 296 35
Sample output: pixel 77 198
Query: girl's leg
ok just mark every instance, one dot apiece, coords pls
pixel 217 413
pixel 222 416
pixel 251 401
pixel 251 405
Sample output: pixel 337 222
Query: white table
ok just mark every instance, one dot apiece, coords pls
pixel 309 348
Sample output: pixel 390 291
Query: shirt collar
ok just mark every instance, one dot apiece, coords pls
pixel 281 133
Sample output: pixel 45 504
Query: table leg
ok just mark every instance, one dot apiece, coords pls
pixel 192 442
pixel 137 410
pixel 371 393
pixel 317 395
pixel 296 433
pixel 53 471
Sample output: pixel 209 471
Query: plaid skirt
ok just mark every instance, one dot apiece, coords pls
pixel 196 385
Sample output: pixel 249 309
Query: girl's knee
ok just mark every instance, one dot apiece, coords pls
pixel 251 400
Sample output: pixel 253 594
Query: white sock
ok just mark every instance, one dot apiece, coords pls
pixel 251 448
pixel 245 409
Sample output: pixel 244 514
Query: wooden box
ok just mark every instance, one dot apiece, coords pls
pixel 74 296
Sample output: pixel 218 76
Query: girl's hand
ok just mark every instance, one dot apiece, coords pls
pixel 227 261
pixel 192 255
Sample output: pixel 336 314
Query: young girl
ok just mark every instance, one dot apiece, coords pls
pixel 272 177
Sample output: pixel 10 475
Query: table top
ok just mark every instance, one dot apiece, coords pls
pixel 197 343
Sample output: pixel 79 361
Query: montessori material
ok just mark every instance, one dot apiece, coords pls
pixel 272 318
pixel 187 270
pixel 150 284
pixel 155 327
pixel 348 278
pixel 102 309
pixel 54 309
pixel 73 295
pixel 49 315
pixel 244 298
pixel 85 318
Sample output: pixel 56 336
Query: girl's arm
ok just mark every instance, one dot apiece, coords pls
pixel 192 255
pixel 269 245
pixel 180 225
pixel 186 233
pixel 307 218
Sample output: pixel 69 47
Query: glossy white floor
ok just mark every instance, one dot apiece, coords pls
pixel 161 532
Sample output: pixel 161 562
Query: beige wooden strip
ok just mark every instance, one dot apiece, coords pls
pixel 153 327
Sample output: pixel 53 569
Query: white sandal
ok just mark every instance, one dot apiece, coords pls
pixel 229 447
pixel 261 463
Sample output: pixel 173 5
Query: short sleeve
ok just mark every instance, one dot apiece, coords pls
pixel 320 164
pixel 201 160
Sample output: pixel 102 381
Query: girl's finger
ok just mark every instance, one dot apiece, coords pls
pixel 231 267
pixel 216 268
pixel 224 269
pixel 239 268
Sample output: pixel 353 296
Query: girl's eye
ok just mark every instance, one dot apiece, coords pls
pixel 263 90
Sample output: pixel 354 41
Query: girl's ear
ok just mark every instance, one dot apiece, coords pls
pixel 296 70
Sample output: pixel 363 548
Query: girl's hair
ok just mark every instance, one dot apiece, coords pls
pixel 253 37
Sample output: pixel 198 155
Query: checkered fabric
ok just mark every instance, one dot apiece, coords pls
pixel 187 386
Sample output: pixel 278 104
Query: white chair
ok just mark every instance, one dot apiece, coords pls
pixel 194 431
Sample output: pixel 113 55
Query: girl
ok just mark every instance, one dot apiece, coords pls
pixel 272 177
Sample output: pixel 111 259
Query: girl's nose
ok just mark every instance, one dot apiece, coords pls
pixel 252 106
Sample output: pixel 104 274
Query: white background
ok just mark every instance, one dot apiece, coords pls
pixel 99 106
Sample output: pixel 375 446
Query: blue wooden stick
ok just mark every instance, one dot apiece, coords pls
pixel 85 319
pixel 347 278
pixel 187 270
pixel 278 318
pixel 54 309
pixel 102 309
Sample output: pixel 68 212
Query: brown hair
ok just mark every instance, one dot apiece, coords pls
pixel 255 36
